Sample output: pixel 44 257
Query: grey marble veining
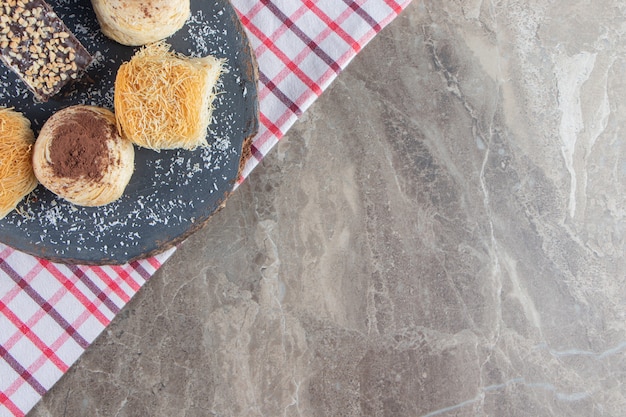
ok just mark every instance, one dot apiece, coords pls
pixel 441 234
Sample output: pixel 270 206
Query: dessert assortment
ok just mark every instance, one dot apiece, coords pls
pixel 172 192
pixel 84 154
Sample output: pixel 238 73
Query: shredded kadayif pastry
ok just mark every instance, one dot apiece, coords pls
pixel 16 169
pixel 163 100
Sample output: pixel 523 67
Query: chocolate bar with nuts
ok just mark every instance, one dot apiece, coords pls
pixel 36 44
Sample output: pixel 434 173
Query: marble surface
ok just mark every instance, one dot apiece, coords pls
pixel 441 234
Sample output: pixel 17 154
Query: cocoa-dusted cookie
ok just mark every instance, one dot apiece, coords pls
pixel 80 156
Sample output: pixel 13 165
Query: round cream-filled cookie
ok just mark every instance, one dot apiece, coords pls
pixel 80 156
pixel 136 22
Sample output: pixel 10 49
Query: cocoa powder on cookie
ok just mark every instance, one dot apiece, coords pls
pixel 78 149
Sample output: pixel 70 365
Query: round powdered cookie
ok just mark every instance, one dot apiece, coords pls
pixel 16 170
pixel 135 22
pixel 80 156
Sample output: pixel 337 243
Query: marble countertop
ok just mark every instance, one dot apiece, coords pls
pixel 441 234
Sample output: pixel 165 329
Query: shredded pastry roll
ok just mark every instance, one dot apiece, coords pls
pixel 17 178
pixel 164 100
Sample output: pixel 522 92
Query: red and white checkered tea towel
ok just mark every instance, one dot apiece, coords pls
pixel 50 313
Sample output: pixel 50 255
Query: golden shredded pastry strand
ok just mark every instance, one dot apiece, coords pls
pixel 16 169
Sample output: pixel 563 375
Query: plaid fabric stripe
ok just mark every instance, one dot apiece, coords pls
pixel 301 46
pixel 50 313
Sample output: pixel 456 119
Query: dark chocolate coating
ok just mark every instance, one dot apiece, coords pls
pixel 31 48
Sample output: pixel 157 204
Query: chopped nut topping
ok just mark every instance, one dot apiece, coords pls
pixel 35 43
